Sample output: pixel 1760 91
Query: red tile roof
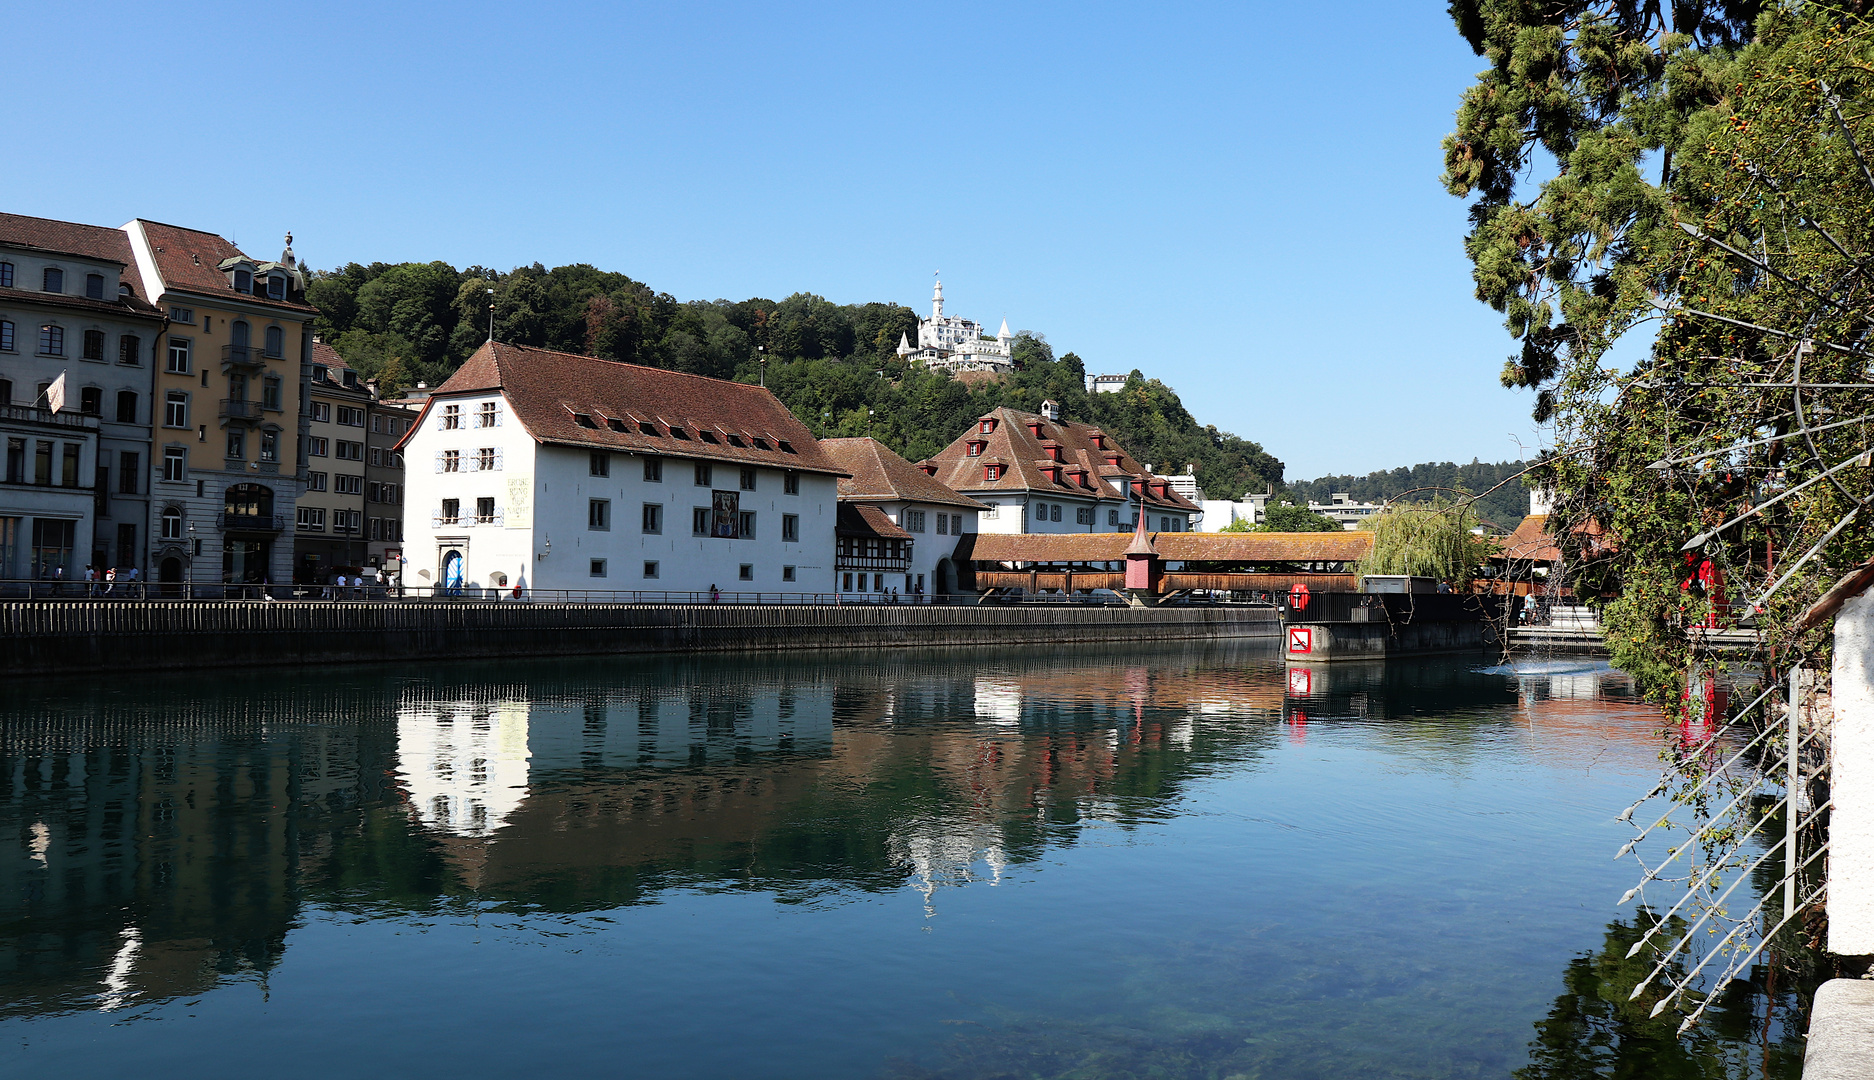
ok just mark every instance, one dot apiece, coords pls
pixel 858 519
pixel 1531 541
pixel 1249 548
pixel 551 391
pixel 187 260
pixel 1085 469
pixel 67 238
pixel 879 474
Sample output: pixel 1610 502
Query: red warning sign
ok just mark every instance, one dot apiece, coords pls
pixel 1300 682
pixel 1301 639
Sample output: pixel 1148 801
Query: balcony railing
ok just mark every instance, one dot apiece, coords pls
pixel 268 523
pixel 71 418
pixel 244 356
pixel 240 410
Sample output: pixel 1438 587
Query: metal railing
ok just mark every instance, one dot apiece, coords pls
pixel 65 589
pixel 240 410
pixel 1765 779
pixel 253 522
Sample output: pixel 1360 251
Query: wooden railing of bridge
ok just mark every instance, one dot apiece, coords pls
pixel 1078 580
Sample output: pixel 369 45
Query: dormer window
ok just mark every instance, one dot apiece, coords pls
pixel 1054 451
pixel 94 286
pixel 276 286
pixel 1052 472
pixel 1099 442
pixel 1113 460
pixel 679 433
pixel 708 436
pixel 977 446
pixel 1034 428
pixel 992 472
pixel 351 379
pixel 786 447
pixel 761 444
pixel 930 469
pixel 985 427
pixel 648 429
pixel 319 373
pixel 243 280
pixel 736 440
pixel 584 421
pixel 615 424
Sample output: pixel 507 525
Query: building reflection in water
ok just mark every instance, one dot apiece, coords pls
pixel 169 836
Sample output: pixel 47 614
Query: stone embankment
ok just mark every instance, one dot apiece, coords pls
pixel 76 637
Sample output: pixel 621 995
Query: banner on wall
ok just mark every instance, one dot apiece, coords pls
pixel 725 519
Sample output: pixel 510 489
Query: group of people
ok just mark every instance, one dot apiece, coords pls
pixel 352 584
pixel 104 582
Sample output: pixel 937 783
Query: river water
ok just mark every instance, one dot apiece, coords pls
pixel 1110 862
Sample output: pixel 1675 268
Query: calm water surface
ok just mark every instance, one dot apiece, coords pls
pixel 1170 863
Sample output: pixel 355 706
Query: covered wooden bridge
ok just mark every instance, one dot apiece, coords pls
pixel 1179 562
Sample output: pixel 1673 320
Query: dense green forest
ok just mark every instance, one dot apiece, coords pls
pixel 832 364
pixel 1504 508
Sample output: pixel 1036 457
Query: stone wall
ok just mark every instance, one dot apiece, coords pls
pixel 68 637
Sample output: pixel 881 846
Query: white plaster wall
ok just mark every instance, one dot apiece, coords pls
pixel 497 555
pixel 686 562
pixel 928 548
pixel 1851 826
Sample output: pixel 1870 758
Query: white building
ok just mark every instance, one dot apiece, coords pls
pixel 1035 473
pixel 1220 514
pixel 1105 384
pixel 930 517
pixel 531 469
pixel 1341 509
pixel 955 344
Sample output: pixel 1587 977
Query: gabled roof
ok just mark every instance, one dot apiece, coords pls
pixel 877 474
pixel 188 260
pixel 550 392
pixel 1014 443
pixel 858 519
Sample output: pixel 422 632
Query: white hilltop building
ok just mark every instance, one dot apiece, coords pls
pixel 953 344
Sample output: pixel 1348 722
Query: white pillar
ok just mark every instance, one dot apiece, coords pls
pixel 1851 825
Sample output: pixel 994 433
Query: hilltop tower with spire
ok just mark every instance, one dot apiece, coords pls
pixel 956 344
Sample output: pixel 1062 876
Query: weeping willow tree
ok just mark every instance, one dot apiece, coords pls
pixel 1426 540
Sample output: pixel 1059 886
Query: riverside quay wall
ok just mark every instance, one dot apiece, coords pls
pixel 77 637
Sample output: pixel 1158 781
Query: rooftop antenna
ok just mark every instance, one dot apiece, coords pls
pixel 491 316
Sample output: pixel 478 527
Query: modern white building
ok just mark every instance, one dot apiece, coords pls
pixel 930 517
pixel 531 469
pixel 955 344
pixel 1220 514
pixel 1341 509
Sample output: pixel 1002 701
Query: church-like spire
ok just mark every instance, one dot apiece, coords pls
pixel 1005 335
pixel 904 344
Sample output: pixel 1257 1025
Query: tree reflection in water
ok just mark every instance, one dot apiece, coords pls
pixel 1753 1030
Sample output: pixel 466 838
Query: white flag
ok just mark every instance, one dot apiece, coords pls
pixel 55 394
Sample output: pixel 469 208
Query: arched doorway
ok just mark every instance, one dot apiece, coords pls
pixel 170 574
pixel 453 568
pixel 946 577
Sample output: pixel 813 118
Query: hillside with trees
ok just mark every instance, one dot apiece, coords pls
pixel 834 365
pixel 1503 508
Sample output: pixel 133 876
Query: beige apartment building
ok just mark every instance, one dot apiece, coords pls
pixel 229 389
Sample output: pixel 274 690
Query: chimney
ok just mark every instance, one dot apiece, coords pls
pixel 1051 410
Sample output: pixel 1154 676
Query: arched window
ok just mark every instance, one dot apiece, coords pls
pixel 244 281
pixel 126 406
pixel 53 281
pixel 172 523
pixel 52 340
pixel 129 349
pixel 240 333
pixel 276 341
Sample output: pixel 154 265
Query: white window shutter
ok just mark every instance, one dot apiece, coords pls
pixel 439 461
pixel 498 411
pixel 500 455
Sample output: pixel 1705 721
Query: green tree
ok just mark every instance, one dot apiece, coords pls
pixel 1432 539
pixel 1286 517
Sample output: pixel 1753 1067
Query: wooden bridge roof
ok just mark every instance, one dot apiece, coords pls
pixel 1188 547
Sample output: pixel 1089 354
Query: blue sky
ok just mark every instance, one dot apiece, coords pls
pixel 1239 199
